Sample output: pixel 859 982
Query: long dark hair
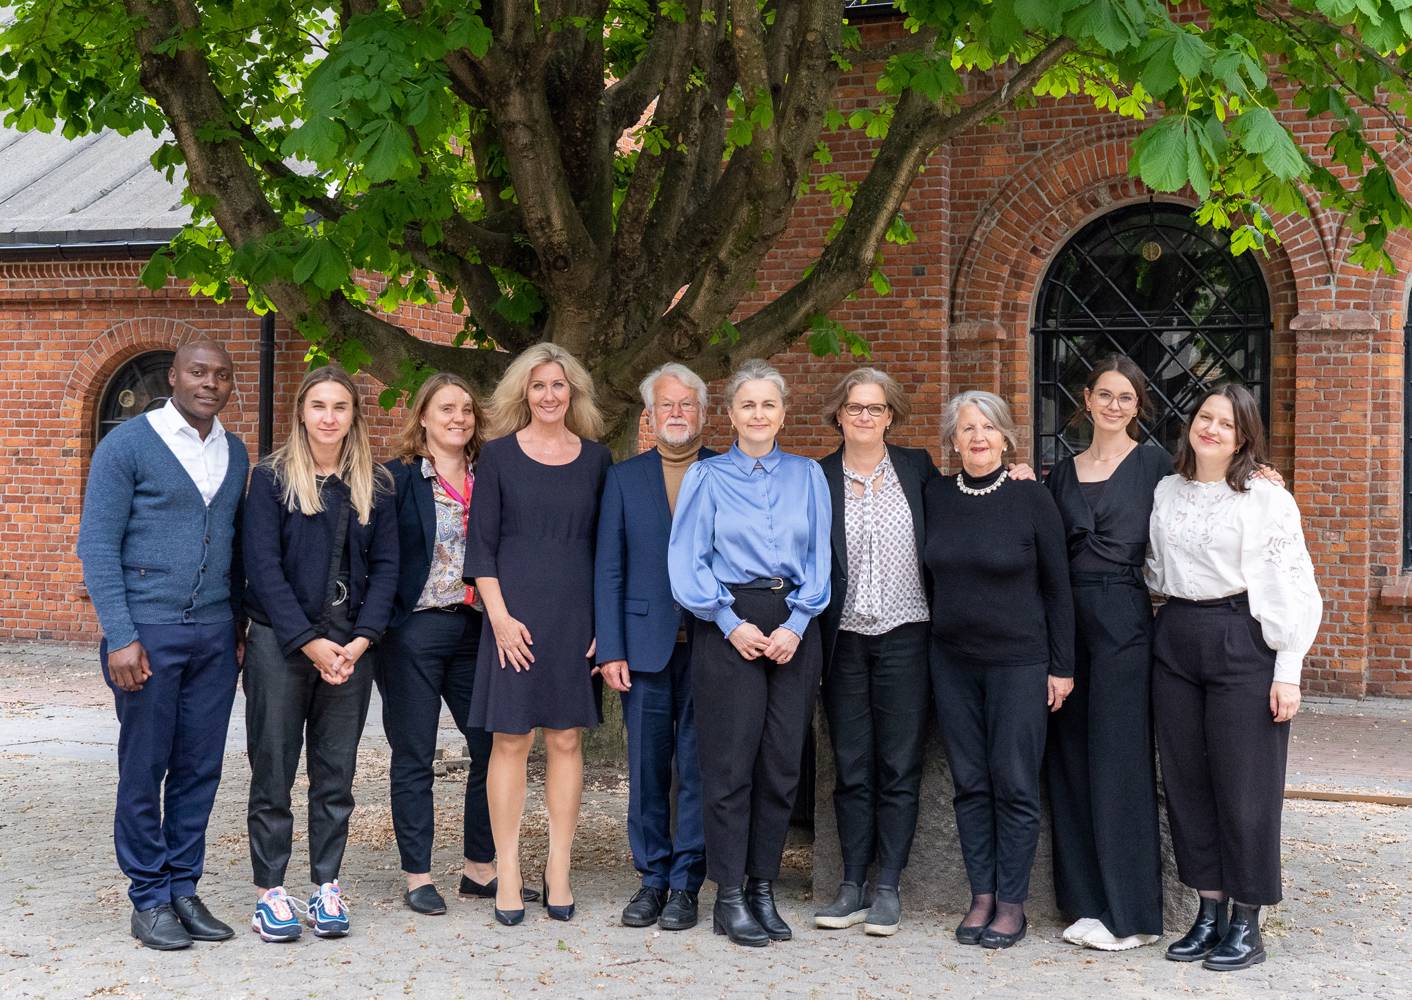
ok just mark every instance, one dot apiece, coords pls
pixel 1250 451
pixel 1126 367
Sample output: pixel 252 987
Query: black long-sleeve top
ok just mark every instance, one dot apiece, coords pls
pixel 1109 532
pixel 1000 592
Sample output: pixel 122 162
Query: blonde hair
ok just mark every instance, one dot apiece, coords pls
pixel 411 442
pixel 293 463
pixel 509 410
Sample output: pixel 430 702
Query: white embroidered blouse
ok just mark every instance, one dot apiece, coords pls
pixel 1208 541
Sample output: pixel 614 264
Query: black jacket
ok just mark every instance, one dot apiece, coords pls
pixel 289 562
pixel 416 535
pixel 914 470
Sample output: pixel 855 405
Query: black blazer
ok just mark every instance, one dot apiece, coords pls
pixel 914 470
pixel 416 535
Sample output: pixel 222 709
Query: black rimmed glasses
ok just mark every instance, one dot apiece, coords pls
pixel 875 410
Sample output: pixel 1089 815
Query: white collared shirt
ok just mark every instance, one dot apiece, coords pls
pixel 204 461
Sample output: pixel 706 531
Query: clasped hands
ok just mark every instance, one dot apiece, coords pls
pixel 334 663
pixel 752 644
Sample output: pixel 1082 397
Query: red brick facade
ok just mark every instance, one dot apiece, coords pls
pixel 991 213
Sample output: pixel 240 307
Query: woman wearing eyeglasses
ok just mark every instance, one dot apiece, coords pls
pixel 875 646
pixel 1099 760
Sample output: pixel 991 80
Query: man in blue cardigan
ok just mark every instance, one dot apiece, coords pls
pixel 160 561
pixel 644 652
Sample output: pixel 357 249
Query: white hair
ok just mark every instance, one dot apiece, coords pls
pixel 992 407
pixel 752 371
pixel 683 374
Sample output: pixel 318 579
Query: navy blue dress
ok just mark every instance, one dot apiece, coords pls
pixel 533 527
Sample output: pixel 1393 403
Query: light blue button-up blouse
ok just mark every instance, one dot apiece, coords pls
pixel 739 519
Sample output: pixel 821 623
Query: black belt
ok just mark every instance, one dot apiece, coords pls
pixel 776 583
pixel 1240 602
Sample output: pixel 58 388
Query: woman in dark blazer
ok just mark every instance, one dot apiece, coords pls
pixel 429 655
pixel 875 637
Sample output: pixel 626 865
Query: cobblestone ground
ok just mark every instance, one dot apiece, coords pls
pixel 1340 933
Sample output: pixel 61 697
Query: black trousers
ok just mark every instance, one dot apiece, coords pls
pixel 875 696
pixel 751 717
pixel 993 721
pixel 428 659
pixel 1100 763
pixel 1223 756
pixel 285 699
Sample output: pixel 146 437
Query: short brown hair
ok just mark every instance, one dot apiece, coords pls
pixel 894 394
pixel 1250 437
pixel 411 442
pixel 1126 367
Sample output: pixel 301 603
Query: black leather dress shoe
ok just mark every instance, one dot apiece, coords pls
pixel 679 913
pixel 159 929
pixel 645 907
pixel 1241 947
pixel 991 938
pixel 564 913
pixel 425 899
pixel 731 917
pixel 199 922
pixel 760 897
pixel 1206 932
pixel 486 890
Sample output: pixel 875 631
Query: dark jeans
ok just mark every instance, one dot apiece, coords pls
pixel 993 721
pixel 751 719
pixel 875 696
pixel 1101 766
pixel 428 659
pixel 660 716
pixel 285 698
pixel 1223 756
pixel 171 742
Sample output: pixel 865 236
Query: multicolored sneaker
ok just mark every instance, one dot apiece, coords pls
pixel 275 919
pixel 328 915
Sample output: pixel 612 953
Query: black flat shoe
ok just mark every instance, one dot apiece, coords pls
pixel 510 917
pixel 1206 932
pixel 645 907
pixel 760 897
pixel 486 890
pixel 425 899
pixel 995 939
pixel 159 929
pixel 564 913
pixel 731 917
pixel 969 935
pixel 199 922
pixel 679 913
pixel 1241 947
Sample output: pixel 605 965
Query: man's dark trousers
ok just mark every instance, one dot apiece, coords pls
pixel 171 743
pixel 661 724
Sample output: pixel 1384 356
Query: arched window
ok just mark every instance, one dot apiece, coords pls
pixel 1148 282
pixel 138 386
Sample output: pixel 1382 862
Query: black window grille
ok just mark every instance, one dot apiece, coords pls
pixel 1149 282
pixel 138 386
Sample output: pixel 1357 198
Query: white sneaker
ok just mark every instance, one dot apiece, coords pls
pixel 1103 940
pixel 1075 932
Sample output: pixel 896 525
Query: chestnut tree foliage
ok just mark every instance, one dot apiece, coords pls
pixel 610 174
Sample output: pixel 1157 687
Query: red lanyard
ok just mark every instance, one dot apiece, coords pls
pixel 465 502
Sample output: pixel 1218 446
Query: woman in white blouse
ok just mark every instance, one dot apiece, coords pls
pixel 1243 609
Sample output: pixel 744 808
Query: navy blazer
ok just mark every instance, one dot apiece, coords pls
pixel 914 470
pixel 634 614
pixel 416 535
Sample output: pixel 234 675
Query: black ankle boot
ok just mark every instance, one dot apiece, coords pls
pixel 1241 946
pixel 731 917
pixel 1204 935
pixel 760 897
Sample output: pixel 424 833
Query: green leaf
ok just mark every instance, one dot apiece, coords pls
pixel 386 152
pixel 322 265
pixel 1160 155
pixel 1190 54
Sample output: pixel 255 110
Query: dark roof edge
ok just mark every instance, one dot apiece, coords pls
pixel 139 244
pixel 85 237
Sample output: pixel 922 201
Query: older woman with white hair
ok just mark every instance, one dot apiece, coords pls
pixel 749 552
pixel 1002 651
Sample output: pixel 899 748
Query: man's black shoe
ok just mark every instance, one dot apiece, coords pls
pixel 199 922
pixel 679 912
pixel 644 908
pixel 159 929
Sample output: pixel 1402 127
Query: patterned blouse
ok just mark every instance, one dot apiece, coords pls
pixel 884 577
pixel 444 586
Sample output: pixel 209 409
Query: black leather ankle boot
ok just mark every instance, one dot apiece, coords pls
pixel 760 897
pixel 731 917
pixel 1241 946
pixel 1205 933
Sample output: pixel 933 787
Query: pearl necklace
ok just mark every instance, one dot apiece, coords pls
pixel 961 484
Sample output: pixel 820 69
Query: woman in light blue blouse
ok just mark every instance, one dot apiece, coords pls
pixel 750 553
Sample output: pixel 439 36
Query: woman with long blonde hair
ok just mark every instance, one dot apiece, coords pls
pixel 529 553
pixel 320 546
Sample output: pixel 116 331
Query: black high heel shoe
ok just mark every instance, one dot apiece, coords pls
pixel 565 913
pixel 511 917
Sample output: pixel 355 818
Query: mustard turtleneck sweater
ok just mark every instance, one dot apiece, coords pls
pixel 675 461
